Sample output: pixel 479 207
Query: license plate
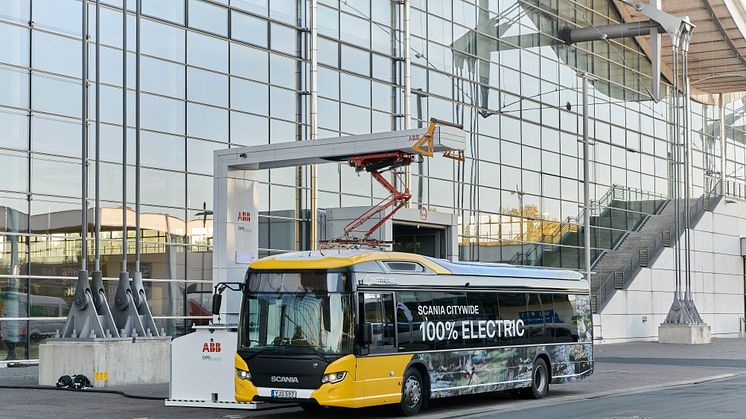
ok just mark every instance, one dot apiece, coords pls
pixel 285 394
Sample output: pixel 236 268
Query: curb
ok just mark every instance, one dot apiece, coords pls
pixel 572 398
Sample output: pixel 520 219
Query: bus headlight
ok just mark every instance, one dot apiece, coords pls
pixel 333 377
pixel 244 375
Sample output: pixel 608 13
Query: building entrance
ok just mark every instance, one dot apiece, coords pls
pixel 424 240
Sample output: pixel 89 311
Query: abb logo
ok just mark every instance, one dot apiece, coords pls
pixel 244 216
pixel 211 346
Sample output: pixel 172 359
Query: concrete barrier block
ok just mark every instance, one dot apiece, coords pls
pixel 684 334
pixel 106 362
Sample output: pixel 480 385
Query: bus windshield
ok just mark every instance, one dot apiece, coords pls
pixel 312 322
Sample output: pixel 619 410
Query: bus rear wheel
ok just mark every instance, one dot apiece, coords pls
pixel 539 380
pixel 412 393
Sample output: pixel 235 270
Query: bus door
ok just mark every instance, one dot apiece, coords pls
pixel 380 373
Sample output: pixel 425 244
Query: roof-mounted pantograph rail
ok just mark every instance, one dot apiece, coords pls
pixel 374 153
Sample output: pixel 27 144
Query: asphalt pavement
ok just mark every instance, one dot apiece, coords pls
pixel 630 380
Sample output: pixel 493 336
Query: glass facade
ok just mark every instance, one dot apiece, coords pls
pixel 219 73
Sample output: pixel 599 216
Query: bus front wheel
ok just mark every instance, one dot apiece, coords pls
pixel 539 380
pixel 413 393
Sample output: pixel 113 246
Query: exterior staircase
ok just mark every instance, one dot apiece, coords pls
pixel 617 268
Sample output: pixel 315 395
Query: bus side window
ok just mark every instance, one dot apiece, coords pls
pixel 534 319
pixel 409 320
pixel 564 329
pixel 378 319
pixel 511 307
pixel 485 310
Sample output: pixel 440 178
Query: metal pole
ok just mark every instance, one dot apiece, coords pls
pixel 97 206
pixel 314 125
pixel 124 137
pixel 586 184
pixel 137 135
pixel 407 91
pixel 84 140
pixel 721 103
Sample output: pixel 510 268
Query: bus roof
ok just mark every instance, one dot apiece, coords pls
pixel 342 258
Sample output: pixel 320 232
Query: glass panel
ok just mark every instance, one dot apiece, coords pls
pixel 16 164
pixel 533 317
pixel 17 10
pixel 248 129
pixel 161 40
pixel 354 30
pixel 199 191
pixel 249 29
pixel 172 10
pixel 282 103
pixel 249 62
pixel 355 120
pixel 60 15
pixel 15 44
pixel 14 87
pixel 207 52
pixel 256 6
pixel 249 96
pixel 284 71
pixel 159 187
pixel 13 129
pixel 355 90
pixel 284 39
pixel 207 87
pixel 299 323
pixel 514 332
pixel 162 151
pixel 484 330
pixel 410 320
pixel 51 94
pixel 279 10
pixel 56 177
pixel 199 155
pixel 56 135
pixel 162 77
pixel 162 114
pixel 355 60
pixel 562 320
pixel 207 122
pixel 208 17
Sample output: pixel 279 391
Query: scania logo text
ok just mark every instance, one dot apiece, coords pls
pixel 283 379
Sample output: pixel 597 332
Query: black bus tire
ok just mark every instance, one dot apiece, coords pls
pixel 413 393
pixel 539 380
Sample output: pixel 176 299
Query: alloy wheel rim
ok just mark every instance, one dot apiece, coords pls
pixel 412 391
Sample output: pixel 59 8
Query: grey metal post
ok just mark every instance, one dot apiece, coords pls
pixel 97 170
pixel 314 124
pixel 84 143
pixel 407 90
pixel 721 105
pixel 138 4
pixel 124 139
pixel 586 183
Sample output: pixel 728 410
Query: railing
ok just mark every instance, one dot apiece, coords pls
pixel 604 292
pixel 735 189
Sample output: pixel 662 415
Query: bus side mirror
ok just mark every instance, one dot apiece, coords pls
pixel 367 333
pixel 217 299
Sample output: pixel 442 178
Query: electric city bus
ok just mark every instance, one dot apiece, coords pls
pixel 355 328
